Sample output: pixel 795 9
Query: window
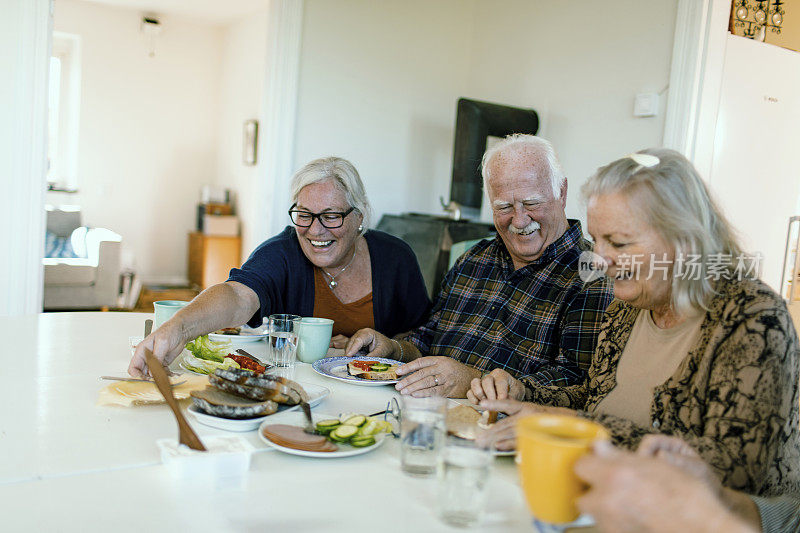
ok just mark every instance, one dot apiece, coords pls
pixel 63 113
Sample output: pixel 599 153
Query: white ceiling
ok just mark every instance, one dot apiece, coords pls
pixel 212 11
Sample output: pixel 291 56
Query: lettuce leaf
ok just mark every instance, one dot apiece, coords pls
pixel 204 348
pixel 204 366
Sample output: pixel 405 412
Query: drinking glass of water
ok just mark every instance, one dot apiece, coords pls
pixel 283 331
pixel 422 430
pixel 463 473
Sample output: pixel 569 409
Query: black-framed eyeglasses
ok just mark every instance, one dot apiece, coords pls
pixel 328 219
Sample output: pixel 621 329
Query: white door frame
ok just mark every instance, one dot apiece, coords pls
pixel 25 40
pixel 698 56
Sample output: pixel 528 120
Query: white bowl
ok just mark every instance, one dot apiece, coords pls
pixel 226 457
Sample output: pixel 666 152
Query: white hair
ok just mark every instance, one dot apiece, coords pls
pixel 343 174
pixel 520 143
pixel 676 203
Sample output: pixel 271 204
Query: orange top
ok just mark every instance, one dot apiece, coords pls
pixel 347 318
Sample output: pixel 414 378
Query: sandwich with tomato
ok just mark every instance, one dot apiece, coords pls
pixel 372 370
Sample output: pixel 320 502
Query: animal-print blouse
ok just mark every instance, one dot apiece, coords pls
pixel 734 398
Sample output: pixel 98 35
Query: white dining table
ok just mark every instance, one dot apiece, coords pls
pixel 67 464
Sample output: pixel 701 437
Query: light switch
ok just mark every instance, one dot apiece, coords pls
pixel 645 105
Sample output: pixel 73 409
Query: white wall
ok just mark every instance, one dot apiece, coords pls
pixel 243 72
pixel 579 64
pixel 148 129
pixel 379 83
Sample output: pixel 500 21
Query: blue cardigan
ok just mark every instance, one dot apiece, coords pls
pixel 283 278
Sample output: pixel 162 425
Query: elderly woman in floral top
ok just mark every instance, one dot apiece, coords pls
pixel 693 345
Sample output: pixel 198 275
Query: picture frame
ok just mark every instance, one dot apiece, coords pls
pixel 250 142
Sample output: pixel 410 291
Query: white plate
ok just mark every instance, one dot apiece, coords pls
pixel 298 419
pixel 241 338
pixel 316 394
pixel 336 368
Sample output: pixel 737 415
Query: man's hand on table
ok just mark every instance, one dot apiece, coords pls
pixel 504 433
pixel 435 376
pixel 166 343
pixel 496 385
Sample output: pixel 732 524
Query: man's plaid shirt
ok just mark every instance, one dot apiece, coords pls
pixel 540 321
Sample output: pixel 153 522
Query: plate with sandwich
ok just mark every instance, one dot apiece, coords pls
pixel 466 422
pixel 359 370
pixel 239 334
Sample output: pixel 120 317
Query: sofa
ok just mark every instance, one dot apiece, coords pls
pixel 83 268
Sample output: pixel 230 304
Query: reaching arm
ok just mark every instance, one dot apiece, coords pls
pixel 223 305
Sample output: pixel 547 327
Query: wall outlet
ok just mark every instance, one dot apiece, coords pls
pixel 645 105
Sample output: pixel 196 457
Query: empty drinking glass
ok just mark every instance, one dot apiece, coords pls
pixel 463 473
pixel 283 340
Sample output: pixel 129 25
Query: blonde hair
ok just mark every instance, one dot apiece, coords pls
pixel 677 204
pixel 344 175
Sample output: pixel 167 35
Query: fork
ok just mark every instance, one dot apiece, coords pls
pixel 252 358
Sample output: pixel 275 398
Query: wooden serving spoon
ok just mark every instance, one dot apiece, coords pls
pixel 186 434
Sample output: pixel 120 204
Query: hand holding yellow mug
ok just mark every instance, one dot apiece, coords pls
pixel 547 448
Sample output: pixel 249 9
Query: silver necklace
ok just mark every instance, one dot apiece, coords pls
pixel 332 283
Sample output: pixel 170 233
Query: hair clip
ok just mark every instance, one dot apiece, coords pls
pixel 645 160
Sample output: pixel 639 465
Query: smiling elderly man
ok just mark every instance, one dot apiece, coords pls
pixel 516 302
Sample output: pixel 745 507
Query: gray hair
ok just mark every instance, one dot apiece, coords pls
pixel 520 142
pixel 343 174
pixel 676 203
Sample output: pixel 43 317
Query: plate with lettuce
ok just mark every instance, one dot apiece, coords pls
pixel 204 356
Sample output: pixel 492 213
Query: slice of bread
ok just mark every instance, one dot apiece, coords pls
pixel 386 375
pixel 462 421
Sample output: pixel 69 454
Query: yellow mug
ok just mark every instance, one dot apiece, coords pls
pixel 547 448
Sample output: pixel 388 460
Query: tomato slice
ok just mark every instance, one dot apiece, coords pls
pixel 364 365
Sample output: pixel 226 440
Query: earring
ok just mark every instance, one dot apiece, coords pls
pixel 360 228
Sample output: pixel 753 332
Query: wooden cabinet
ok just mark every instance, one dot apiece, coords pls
pixel 211 257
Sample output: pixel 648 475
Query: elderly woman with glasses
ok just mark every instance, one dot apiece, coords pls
pixel 328 265
pixel 694 345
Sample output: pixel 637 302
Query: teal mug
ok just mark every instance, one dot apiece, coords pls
pixel 314 338
pixel 165 309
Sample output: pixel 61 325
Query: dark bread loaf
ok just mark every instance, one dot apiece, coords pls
pixel 219 403
pixel 260 386
pixel 273 391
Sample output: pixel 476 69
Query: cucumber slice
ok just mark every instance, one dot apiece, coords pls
pixel 362 442
pixel 324 427
pixel 380 367
pixel 370 428
pixel 357 420
pixel 343 433
pixel 345 416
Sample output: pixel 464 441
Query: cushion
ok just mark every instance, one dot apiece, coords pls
pixel 78 241
pixel 55 246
